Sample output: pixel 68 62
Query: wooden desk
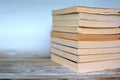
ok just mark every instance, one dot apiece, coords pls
pixel 48 70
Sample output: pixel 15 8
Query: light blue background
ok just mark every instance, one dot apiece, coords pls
pixel 25 25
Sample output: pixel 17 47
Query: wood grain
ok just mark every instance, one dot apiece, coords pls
pixel 46 69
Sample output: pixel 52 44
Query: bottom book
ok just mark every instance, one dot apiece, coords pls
pixel 84 67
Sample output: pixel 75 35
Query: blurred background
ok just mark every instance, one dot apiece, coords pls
pixel 25 25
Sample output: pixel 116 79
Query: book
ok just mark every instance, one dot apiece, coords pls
pixel 87 23
pixel 87 16
pixel 85 67
pixel 84 9
pixel 86 58
pixel 87 44
pixel 85 37
pixel 81 30
pixel 84 51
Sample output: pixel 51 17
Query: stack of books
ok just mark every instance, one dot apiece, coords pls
pixel 86 39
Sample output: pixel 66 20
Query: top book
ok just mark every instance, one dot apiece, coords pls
pixel 92 10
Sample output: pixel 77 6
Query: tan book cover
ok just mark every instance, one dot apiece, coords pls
pixel 87 16
pixel 85 37
pixel 86 58
pixel 87 66
pixel 85 9
pixel 84 51
pixel 87 44
pixel 81 30
pixel 87 23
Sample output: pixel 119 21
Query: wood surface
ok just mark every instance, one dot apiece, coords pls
pixel 85 37
pixel 82 30
pixel 84 9
pixel 87 44
pixel 84 51
pixel 45 69
pixel 87 23
pixel 86 58
pixel 87 16
pixel 87 66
